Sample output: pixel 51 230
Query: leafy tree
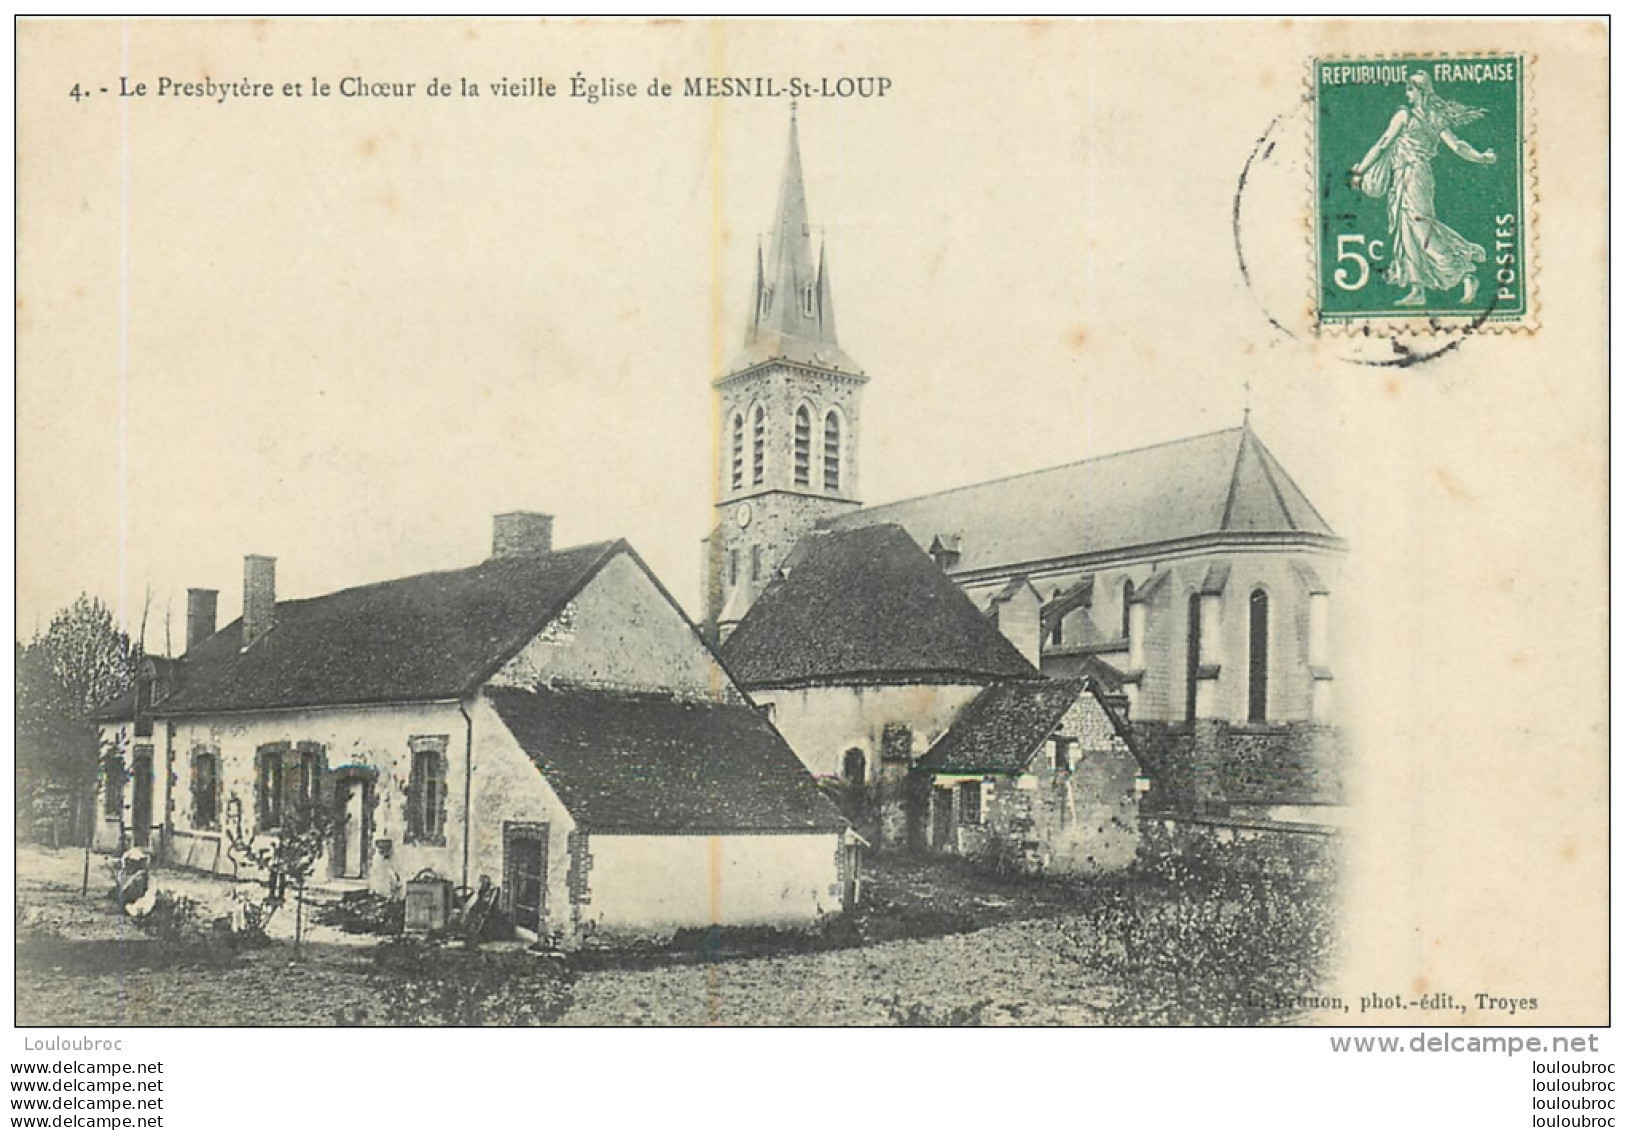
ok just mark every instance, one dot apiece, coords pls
pixel 64 675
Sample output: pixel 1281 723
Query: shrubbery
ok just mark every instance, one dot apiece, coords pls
pixel 426 984
pixel 1179 944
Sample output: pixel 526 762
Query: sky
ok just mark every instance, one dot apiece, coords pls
pixel 346 331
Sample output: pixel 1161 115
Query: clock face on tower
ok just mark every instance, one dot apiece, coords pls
pixel 742 515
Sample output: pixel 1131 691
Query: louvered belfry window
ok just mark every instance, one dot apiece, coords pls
pixel 803 447
pixel 832 452
pixel 758 453
pixel 738 478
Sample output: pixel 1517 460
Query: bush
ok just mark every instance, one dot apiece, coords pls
pixel 427 984
pixel 1186 944
pixel 363 914
pixel 173 918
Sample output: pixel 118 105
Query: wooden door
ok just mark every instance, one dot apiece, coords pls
pixel 525 863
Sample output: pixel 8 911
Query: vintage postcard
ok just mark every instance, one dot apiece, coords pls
pixel 811 523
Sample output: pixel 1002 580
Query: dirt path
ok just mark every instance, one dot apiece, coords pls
pixel 1009 974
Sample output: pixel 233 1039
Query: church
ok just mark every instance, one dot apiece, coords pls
pixel 1193 580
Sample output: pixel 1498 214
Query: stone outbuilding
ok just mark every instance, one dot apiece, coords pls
pixel 1039 775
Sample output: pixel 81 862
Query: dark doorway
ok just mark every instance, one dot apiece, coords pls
pixel 525 861
pixel 352 826
pixel 141 799
pixel 942 818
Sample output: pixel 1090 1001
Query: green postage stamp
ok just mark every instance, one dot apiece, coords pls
pixel 1421 199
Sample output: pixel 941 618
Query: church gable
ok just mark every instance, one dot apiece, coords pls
pixel 622 631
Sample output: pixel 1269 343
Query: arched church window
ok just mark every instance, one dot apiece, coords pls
pixel 738 478
pixel 1128 601
pixel 854 767
pixel 1193 655
pixel 758 453
pixel 832 452
pixel 1258 655
pixel 803 447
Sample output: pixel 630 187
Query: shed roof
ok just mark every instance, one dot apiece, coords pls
pixel 1001 730
pixel 624 762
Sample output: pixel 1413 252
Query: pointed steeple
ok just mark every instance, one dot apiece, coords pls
pixel 793 315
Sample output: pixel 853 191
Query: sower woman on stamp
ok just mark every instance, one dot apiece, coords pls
pixel 1426 254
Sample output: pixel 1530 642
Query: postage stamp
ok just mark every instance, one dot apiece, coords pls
pixel 1421 201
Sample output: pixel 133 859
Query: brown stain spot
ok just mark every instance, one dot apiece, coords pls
pixel 1147 354
pixel 1568 852
pixel 470 33
pixel 1390 387
pixel 1036 27
pixel 78 292
pixel 368 146
pixel 1504 586
pixel 1451 487
pixel 1419 986
pixel 390 201
pixel 260 28
pixel 1267 79
pixel 1076 338
pixel 1519 659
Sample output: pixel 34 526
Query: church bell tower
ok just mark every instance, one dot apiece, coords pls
pixel 789 416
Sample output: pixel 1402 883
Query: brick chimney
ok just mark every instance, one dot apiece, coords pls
pixel 200 612
pixel 521 532
pixel 259 596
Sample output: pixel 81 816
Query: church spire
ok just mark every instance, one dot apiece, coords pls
pixel 794 308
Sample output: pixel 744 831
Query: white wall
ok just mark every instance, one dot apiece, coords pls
pixel 377 738
pixel 662 883
pixel 822 723
pixel 620 632
pixel 509 787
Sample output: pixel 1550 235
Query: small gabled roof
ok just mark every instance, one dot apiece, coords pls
pixel 1224 482
pixel 1001 730
pixel 430 636
pixel 867 605
pixel 646 763
pixel 1006 724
